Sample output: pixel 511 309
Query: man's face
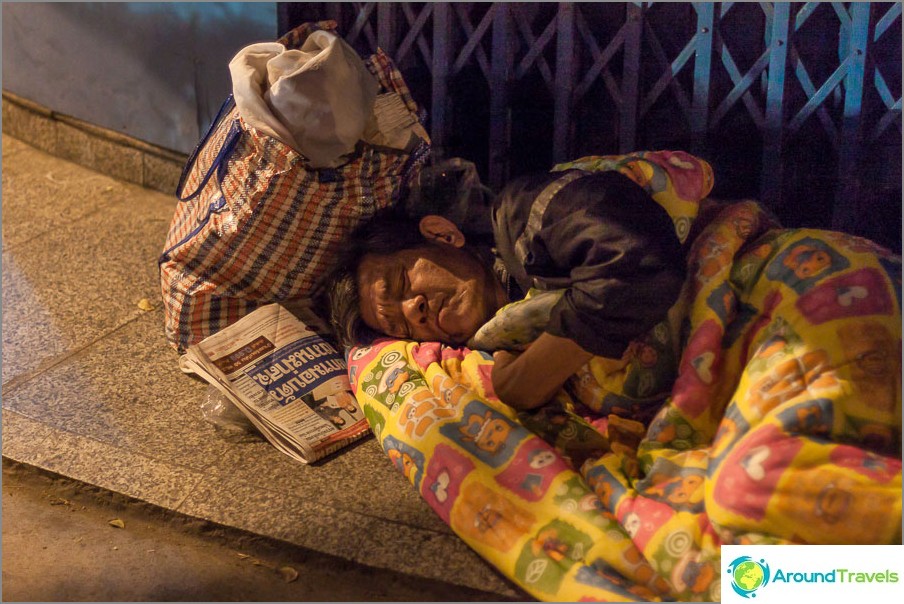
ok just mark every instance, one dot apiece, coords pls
pixel 434 292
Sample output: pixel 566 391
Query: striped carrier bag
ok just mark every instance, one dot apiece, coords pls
pixel 256 224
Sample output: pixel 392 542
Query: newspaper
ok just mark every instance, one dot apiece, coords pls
pixel 290 382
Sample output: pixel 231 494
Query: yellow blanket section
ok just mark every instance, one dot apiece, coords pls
pixel 511 496
pixel 780 423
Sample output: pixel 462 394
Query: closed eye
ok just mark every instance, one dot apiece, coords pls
pixel 403 286
pixel 403 282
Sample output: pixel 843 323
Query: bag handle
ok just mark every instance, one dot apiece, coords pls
pixel 294 38
pixel 228 145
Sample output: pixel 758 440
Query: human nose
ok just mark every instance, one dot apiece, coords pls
pixel 415 309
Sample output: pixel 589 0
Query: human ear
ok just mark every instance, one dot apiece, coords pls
pixel 441 230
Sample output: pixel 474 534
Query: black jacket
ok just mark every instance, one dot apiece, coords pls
pixel 603 239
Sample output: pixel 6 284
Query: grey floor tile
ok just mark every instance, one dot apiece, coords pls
pixel 42 193
pixel 23 438
pixel 30 335
pixel 127 391
pixel 117 469
pixel 428 554
pixel 305 519
pixel 81 279
pixel 309 519
pixel 101 464
pixel 363 468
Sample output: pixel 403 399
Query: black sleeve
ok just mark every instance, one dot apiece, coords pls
pixel 614 250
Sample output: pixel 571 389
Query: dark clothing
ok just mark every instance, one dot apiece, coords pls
pixel 603 239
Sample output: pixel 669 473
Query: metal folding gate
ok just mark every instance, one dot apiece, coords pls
pixel 797 104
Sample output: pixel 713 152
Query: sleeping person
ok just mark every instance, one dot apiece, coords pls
pixel 735 382
pixel 598 239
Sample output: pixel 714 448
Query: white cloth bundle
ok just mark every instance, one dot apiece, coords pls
pixel 318 99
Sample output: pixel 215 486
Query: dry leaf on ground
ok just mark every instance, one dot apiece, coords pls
pixel 254 561
pixel 118 523
pixel 288 573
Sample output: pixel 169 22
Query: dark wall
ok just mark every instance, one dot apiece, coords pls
pixel 158 72
pixel 154 71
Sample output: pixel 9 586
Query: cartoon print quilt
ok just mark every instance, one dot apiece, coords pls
pixel 776 420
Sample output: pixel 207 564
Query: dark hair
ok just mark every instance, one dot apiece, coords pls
pixel 387 232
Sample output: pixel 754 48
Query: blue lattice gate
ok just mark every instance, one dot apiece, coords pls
pixel 797 104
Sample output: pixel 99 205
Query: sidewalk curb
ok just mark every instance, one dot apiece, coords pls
pixel 84 493
pixel 100 149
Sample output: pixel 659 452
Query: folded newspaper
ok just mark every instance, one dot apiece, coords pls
pixel 290 382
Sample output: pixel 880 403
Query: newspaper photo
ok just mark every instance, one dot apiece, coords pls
pixel 287 380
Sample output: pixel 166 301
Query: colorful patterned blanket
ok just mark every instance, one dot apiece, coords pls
pixel 765 410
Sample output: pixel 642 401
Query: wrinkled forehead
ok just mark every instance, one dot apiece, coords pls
pixel 377 266
pixel 374 273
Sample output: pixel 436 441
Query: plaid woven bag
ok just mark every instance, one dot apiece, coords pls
pixel 255 224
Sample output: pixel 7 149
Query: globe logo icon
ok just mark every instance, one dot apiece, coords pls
pixel 748 575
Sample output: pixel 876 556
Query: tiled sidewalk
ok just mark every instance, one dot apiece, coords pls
pixel 92 391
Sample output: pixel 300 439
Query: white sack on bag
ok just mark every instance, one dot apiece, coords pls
pixel 317 100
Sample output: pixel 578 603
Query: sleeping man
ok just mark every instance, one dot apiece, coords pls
pixel 596 237
pixel 775 418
